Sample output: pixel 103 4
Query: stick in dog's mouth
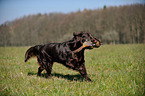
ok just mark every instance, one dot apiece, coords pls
pixel 89 44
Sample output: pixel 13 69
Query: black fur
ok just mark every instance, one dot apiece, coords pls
pixel 62 53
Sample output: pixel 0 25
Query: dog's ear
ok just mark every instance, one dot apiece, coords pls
pixel 78 34
pixel 75 34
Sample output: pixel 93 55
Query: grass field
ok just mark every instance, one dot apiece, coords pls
pixel 114 69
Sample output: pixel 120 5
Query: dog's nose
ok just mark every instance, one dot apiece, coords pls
pixel 94 40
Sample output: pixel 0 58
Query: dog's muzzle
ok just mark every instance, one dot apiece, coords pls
pixel 97 43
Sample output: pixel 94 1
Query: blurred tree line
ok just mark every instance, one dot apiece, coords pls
pixel 118 25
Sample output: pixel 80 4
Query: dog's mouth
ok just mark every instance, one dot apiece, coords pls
pixel 95 43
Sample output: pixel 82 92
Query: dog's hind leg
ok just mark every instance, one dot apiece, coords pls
pixel 47 66
pixel 40 69
pixel 45 63
pixel 49 69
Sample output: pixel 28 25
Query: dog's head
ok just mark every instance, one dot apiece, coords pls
pixel 85 36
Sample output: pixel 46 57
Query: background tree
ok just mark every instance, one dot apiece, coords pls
pixel 123 24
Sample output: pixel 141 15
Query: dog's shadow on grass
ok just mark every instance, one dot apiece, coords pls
pixel 69 77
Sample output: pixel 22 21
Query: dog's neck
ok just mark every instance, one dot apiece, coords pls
pixel 74 44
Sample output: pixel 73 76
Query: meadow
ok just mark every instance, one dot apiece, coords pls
pixel 114 69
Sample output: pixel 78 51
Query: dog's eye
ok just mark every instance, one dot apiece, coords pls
pixel 83 40
pixel 84 36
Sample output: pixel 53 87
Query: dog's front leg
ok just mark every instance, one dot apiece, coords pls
pixel 83 72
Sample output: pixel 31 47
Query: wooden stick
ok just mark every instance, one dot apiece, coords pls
pixel 85 44
pixel 79 49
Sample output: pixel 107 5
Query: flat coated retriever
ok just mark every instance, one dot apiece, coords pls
pixel 70 53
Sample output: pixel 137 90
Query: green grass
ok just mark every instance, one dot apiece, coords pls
pixel 114 69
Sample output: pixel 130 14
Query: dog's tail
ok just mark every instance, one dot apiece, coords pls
pixel 33 51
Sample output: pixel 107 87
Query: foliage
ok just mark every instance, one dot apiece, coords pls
pixel 114 69
pixel 125 23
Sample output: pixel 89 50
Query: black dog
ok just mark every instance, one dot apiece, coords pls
pixel 70 53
